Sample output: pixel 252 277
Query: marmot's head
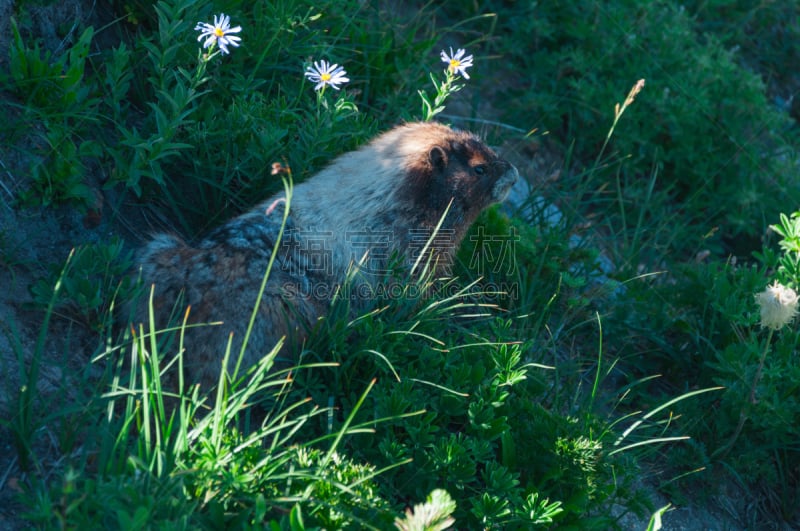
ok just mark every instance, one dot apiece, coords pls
pixel 402 182
pixel 452 165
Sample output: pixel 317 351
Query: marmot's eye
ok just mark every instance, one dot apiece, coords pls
pixel 480 169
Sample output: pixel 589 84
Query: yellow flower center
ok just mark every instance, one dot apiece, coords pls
pixel 454 64
pixel 325 77
pixel 218 32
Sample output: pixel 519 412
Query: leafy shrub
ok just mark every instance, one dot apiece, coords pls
pixel 60 105
pixel 718 145
pixel 238 124
pixel 94 277
pixel 45 82
pixel 706 331
pixel 480 415
pixel 763 34
pixel 185 463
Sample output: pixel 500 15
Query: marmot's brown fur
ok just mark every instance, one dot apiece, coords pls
pixel 384 198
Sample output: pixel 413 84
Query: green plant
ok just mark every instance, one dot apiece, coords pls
pixel 709 330
pixel 761 32
pixel 59 176
pixel 236 125
pixel 25 422
pixel 716 140
pixel 457 65
pixel 164 457
pixel 655 520
pixel 93 278
pixel 494 430
pixel 176 90
pixel 760 376
pixel 58 96
pixel 788 260
pixel 47 83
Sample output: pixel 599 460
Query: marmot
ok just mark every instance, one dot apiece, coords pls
pixel 385 198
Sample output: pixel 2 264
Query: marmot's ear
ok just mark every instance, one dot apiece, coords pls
pixel 438 158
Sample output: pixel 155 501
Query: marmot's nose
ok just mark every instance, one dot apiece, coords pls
pixel 514 173
pixel 506 171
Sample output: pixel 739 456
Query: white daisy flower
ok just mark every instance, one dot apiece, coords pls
pixel 323 73
pixel 778 305
pixel 219 32
pixel 457 63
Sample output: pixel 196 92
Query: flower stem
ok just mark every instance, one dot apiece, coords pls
pixel 723 451
pixel 618 110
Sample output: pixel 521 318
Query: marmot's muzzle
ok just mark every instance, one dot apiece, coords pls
pixel 503 185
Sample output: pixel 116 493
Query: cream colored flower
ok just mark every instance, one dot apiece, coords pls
pixel 778 306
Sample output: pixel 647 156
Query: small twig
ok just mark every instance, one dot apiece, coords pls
pixel 7 472
pixel 483 121
pixel 274 204
pixel 10 176
pixel 723 451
